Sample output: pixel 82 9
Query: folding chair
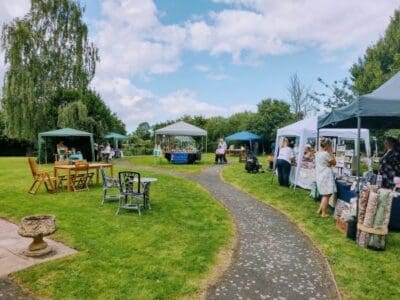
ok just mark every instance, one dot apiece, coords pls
pixel 80 178
pixel 40 177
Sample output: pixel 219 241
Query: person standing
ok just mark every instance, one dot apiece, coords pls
pixel 324 161
pixel 389 163
pixel 283 162
pixel 220 153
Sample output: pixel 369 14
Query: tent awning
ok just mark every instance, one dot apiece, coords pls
pixel 65 132
pixel 379 109
pixel 243 136
pixel 181 128
pixel 116 136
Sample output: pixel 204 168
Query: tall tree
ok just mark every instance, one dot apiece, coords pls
pixel 46 50
pixel 143 131
pixel 380 62
pixel 271 115
pixel 335 95
pixel 300 101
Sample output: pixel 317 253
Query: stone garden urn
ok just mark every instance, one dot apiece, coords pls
pixel 37 227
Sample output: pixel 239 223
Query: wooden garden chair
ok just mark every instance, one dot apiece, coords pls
pixel 80 178
pixel 40 177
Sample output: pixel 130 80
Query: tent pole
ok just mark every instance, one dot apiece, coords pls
pixel 358 163
pixel 39 147
pixel 317 139
pixel 45 151
pixel 92 147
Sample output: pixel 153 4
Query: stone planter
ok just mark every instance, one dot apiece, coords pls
pixel 37 227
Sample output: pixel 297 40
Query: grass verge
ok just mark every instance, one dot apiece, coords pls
pixel 360 273
pixel 165 253
pixel 207 159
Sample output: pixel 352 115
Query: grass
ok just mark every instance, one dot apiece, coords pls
pixel 206 160
pixel 360 273
pixel 163 254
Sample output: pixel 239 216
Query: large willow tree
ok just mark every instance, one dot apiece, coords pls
pixel 45 51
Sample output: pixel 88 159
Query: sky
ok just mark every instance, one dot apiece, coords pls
pixel 161 59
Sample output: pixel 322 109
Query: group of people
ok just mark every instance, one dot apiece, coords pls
pixel 389 167
pixel 101 152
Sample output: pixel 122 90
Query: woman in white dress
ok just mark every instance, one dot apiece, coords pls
pixel 324 161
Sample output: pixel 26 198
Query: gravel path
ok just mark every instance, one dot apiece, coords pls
pixel 274 259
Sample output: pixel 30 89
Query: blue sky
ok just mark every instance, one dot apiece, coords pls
pixel 161 59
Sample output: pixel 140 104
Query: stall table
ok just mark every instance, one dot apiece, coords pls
pixel 182 157
pixel 344 193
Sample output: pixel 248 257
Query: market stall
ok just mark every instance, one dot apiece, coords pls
pixel 176 148
pixel 244 136
pixel 305 132
pixel 76 138
pixel 381 110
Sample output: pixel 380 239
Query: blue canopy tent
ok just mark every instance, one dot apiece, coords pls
pixel 244 136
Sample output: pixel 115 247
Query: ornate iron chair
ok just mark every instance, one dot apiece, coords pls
pixel 109 183
pixel 80 178
pixel 132 197
pixel 40 177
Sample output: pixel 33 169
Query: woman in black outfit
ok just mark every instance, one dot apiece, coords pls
pixel 390 162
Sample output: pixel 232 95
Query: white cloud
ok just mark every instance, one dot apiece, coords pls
pixel 257 28
pixel 132 41
pixel 202 68
pixel 135 105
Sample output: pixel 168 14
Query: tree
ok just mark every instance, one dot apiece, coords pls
pixel 380 62
pixel 271 115
pixel 300 101
pixel 337 95
pixel 143 131
pixel 46 50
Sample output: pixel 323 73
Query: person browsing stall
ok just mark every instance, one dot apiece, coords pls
pixel 324 161
pixel 62 150
pixel 283 162
pixel 390 163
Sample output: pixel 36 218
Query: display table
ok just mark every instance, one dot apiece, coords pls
pixel 176 157
pixel 345 194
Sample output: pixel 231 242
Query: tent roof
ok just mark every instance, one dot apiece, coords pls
pixel 242 136
pixel 182 128
pixel 115 135
pixel 379 109
pixel 65 132
pixel 308 126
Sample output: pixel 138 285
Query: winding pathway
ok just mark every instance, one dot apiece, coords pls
pixel 273 259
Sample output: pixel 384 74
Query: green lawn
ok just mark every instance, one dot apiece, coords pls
pixel 360 273
pixel 163 254
pixel 206 160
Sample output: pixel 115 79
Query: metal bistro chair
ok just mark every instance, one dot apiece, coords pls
pixel 132 197
pixel 109 183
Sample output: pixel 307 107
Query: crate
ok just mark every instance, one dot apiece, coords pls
pixel 341 225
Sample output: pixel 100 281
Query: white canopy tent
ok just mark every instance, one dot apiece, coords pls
pixel 308 128
pixel 181 129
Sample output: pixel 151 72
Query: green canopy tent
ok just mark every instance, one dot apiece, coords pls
pixel 64 132
pixel 115 137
